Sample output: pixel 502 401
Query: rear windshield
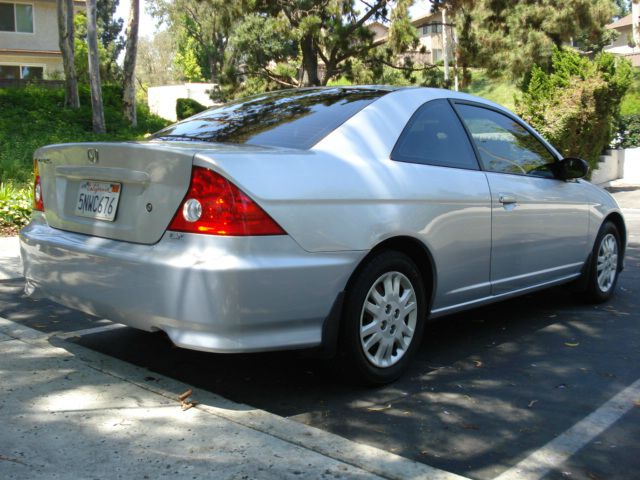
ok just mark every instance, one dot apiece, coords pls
pixel 287 118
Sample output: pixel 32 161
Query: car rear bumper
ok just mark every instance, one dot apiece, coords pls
pixel 219 294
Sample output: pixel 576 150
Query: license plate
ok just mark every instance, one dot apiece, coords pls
pixel 98 200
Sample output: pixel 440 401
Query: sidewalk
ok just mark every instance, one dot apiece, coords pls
pixel 68 417
pixel 10 264
pixel 70 412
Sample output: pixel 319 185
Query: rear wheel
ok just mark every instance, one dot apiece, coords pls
pixel 383 318
pixel 605 264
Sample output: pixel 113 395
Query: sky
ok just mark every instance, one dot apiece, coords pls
pixel 148 25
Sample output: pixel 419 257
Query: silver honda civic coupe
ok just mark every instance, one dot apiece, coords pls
pixel 340 217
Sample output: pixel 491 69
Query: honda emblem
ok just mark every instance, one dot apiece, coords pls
pixel 92 155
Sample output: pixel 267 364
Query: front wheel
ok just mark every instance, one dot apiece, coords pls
pixel 383 318
pixel 605 264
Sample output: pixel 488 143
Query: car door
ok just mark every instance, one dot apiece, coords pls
pixel 453 217
pixel 539 223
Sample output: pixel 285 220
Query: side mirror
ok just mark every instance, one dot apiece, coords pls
pixel 570 168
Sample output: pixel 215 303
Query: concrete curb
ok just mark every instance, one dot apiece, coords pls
pixel 370 459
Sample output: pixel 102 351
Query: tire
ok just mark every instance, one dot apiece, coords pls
pixel 383 319
pixel 604 266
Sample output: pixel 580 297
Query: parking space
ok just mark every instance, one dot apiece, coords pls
pixel 617 446
pixel 488 389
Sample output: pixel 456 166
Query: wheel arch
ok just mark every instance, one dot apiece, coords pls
pixel 617 219
pixel 416 250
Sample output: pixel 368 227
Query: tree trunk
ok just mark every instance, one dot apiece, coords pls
pixel 329 72
pixel 456 56
pixel 635 22
pixel 94 70
pixel 213 68
pixel 65 40
pixel 129 67
pixel 445 47
pixel 309 62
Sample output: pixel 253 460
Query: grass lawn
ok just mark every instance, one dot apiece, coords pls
pixel 499 91
pixel 631 101
pixel 504 92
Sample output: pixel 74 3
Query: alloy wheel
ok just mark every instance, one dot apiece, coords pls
pixel 607 267
pixel 388 319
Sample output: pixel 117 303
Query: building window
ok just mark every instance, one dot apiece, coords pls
pixel 16 17
pixel 31 73
pixel 9 72
pixel 431 28
pixel 23 72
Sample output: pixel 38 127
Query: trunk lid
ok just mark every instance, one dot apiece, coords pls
pixel 150 179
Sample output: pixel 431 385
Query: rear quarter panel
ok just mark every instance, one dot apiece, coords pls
pixel 346 194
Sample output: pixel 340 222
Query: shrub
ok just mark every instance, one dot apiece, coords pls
pixel 631 101
pixel 34 116
pixel 627 132
pixel 575 104
pixel 186 107
pixel 16 204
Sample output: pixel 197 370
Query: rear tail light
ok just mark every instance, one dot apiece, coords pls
pixel 215 206
pixel 38 203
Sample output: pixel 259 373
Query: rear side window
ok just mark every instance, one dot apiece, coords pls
pixel 288 118
pixel 434 136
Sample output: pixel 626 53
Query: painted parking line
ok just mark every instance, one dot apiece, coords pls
pixel 89 331
pixel 558 450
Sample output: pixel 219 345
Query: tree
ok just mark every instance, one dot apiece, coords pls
pixel 509 36
pixel 466 48
pixel 109 71
pixel 574 105
pixel 635 21
pixel 623 8
pixel 129 68
pixel 331 32
pixel 109 30
pixel 262 47
pixel 66 42
pixel 154 64
pixel 94 69
pixel 189 60
pixel 202 29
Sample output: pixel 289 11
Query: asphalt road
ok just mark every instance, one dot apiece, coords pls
pixel 488 388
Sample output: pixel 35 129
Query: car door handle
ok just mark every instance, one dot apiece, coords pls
pixel 506 198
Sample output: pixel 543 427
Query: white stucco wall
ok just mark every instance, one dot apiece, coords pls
pixel 162 100
pixel 608 168
pixel 623 38
pixel 632 166
pixel 618 165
